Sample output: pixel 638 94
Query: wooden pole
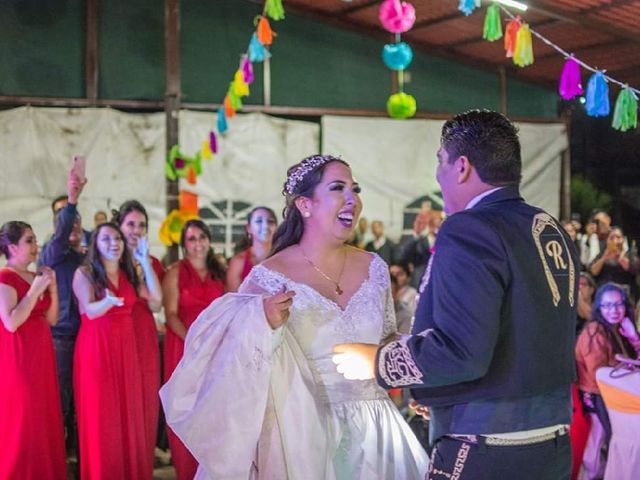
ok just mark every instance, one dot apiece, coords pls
pixel 503 90
pixel 172 99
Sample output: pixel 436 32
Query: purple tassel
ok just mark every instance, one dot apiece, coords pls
pixel 247 70
pixel 570 86
pixel 213 143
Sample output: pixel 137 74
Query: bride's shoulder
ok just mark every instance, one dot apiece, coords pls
pixel 280 262
pixel 371 264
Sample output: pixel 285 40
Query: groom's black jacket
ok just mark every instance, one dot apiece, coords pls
pixel 496 314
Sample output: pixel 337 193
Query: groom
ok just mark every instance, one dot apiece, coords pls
pixel 491 353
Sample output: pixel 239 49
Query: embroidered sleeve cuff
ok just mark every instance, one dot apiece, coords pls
pixel 395 366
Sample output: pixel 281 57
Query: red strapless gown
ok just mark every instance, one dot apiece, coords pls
pixel 195 295
pixel 149 351
pixel 107 383
pixel 30 411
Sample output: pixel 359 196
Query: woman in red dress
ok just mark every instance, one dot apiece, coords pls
pixel 133 221
pixel 30 411
pixel 107 374
pixel 189 286
pixel 254 247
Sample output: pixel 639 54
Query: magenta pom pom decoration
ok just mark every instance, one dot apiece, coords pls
pixel 397 16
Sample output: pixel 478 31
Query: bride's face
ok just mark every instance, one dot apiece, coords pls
pixel 336 205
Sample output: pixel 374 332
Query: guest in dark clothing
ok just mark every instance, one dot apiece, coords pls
pixel 615 265
pixel 416 250
pixel 381 244
pixel 63 253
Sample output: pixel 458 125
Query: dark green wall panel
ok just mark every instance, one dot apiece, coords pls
pixel 313 64
pixel 42 47
pixel 131 49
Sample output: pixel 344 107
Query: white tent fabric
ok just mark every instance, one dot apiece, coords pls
pixel 125 159
pixel 395 162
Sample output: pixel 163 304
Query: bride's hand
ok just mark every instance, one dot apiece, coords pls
pixel 276 307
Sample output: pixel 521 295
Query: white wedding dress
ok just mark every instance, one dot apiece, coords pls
pixel 255 403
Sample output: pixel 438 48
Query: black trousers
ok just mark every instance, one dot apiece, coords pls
pixel 454 459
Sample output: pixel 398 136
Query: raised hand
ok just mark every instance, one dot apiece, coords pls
pixel 276 307
pixel 628 330
pixel 141 252
pixel 76 180
pixel 112 299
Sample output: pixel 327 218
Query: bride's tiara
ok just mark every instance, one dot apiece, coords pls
pixel 304 167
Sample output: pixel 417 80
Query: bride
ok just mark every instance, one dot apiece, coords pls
pixel 256 395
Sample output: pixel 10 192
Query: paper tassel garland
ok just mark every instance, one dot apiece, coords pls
pixel 468 6
pixel 570 84
pixel 213 142
pixel 492 24
pixel 274 9
pixel 257 52
pixel 597 104
pixel 222 121
pixel 247 70
pixel 264 32
pixel 625 114
pixel 523 52
pixel 205 150
pixel 240 87
pixel 510 36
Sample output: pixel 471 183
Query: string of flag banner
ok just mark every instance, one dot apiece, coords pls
pixel 180 165
pixel 518 46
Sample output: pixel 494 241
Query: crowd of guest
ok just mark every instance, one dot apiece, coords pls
pixel 80 336
pixel 606 331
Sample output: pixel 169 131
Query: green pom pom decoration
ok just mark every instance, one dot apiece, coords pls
pixel 401 105
pixel 625 115
pixel 492 24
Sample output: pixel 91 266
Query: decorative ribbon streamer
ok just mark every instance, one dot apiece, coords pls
pixel 523 52
pixel 597 96
pixel 492 24
pixel 570 83
pixel 625 113
pixel 468 6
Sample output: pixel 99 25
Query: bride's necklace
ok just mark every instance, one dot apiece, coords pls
pixel 338 290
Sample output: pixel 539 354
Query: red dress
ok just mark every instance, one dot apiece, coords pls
pixel 30 411
pixel 107 383
pixel 149 352
pixel 194 295
pixel 246 265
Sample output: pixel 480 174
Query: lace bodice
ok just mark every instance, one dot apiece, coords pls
pixel 318 324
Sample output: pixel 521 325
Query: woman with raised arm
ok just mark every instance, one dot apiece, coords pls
pixel 30 411
pixel 133 220
pixel 107 372
pixel 189 286
pixel 293 415
pixel 254 247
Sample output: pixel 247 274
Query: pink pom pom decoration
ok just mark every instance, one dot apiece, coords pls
pixel 397 16
pixel 570 84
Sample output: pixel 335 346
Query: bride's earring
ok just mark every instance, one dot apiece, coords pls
pixel 306 214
